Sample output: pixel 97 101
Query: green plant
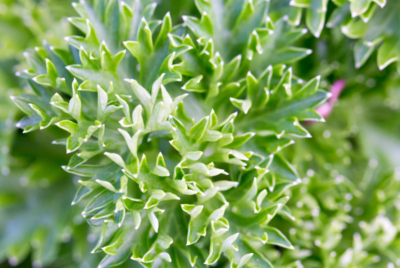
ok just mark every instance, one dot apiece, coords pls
pixel 347 209
pixel 191 139
pixel 210 171
pixel 373 23
pixel 21 27
pixel 35 216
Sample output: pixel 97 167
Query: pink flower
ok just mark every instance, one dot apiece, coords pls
pixel 326 109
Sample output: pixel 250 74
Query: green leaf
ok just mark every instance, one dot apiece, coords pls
pixel 276 237
pixel 388 53
pixel 315 18
pixel 143 96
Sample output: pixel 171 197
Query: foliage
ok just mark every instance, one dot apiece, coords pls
pixel 35 215
pixel 191 177
pixel 185 134
pixel 373 22
pixel 349 205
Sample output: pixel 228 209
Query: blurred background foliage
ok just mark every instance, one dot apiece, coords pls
pixel 35 194
pixel 346 213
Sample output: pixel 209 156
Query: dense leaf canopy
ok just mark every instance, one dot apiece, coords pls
pixel 193 133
